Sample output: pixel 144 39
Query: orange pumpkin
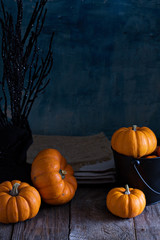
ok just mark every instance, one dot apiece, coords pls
pixel 158 151
pixel 151 156
pixel 18 201
pixel 134 141
pixel 125 202
pixel 53 177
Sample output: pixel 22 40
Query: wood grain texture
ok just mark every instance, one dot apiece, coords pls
pixel 6 231
pixel 85 218
pixel 91 220
pixel 147 224
pixel 51 223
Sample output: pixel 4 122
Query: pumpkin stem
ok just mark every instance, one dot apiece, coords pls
pixel 127 189
pixel 14 191
pixel 63 173
pixel 134 127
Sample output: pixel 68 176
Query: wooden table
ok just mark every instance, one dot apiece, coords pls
pixel 85 218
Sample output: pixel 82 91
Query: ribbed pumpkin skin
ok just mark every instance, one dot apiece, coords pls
pixel 46 177
pixel 125 205
pixel 137 143
pixel 21 207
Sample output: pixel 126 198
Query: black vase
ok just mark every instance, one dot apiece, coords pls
pixel 14 143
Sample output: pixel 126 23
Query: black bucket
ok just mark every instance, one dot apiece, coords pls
pixel 143 174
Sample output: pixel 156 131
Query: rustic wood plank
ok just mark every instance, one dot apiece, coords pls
pixel 90 218
pixel 6 231
pixel 51 223
pixel 147 224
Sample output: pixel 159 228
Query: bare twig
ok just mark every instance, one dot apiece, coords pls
pixel 21 55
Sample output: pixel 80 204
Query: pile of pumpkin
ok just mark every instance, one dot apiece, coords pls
pixel 137 142
pixel 53 180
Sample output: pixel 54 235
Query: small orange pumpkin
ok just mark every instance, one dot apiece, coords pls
pixel 158 151
pixel 53 177
pixel 18 201
pixel 125 202
pixel 151 156
pixel 134 141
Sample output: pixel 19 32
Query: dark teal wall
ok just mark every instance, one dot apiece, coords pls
pixel 106 71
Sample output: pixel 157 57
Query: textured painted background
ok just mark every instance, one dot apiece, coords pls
pixel 106 71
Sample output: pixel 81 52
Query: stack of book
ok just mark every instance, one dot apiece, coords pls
pixel 90 156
